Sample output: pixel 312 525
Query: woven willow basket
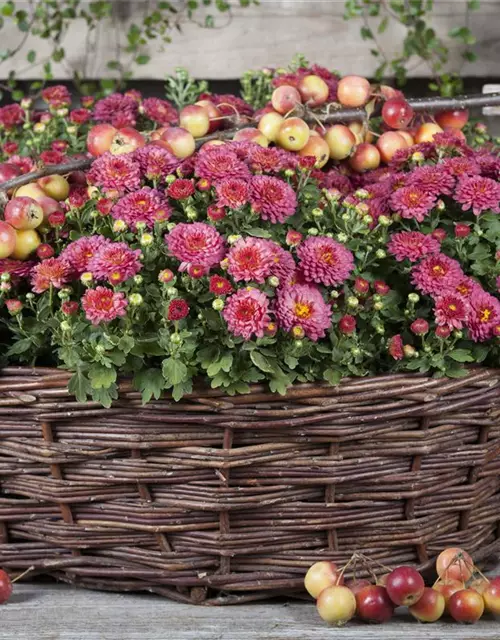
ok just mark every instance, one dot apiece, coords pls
pixel 220 499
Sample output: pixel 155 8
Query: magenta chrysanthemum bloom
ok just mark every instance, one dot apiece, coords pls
pixel 53 272
pixel 196 243
pixel 247 313
pixel 479 194
pixel 466 286
pixel 325 261
pixel 333 179
pixel 228 104
pixel 433 179
pixel 155 162
pixel 180 189
pixel 283 266
pixel 115 172
pixel 437 274
pixel 412 245
pixel 484 315
pixel 395 347
pixel 461 166
pixel 303 306
pixel 218 163
pixel 451 310
pixel 16 268
pixel 118 109
pixel 250 259
pixel 489 164
pixel 11 115
pixel 412 201
pixel 103 305
pixel 146 205
pixel 264 159
pixel 79 253
pixel 57 96
pixel 160 111
pixel 232 193
pixel 115 262
pixel 273 199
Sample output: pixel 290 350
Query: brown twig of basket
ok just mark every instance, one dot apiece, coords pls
pixel 222 500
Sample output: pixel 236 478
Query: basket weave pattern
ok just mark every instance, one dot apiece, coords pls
pixel 220 499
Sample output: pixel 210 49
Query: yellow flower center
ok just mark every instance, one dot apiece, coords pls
pixel 452 307
pixel 303 310
pixel 484 315
pixel 438 270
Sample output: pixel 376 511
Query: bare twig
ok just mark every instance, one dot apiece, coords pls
pixel 52 169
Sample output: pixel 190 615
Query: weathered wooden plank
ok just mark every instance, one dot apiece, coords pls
pixel 269 34
pixel 59 612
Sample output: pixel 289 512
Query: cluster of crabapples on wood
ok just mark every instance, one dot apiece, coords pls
pixel 279 123
pixel 461 591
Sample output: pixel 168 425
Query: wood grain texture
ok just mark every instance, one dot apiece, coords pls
pixel 56 612
pixel 269 34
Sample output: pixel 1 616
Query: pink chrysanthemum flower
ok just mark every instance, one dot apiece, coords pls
pixel 218 163
pixel 53 272
pixel 273 199
pixel 264 159
pixel 119 110
pixel 412 245
pixel 115 262
pixel 247 313
pixel 160 111
pixel 11 115
pixel 24 163
pixel 115 172
pixel 232 193
pixel 283 266
pixel 155 162
pixel 433 179
pixel 103 305
pixel 451 310
pixel 146 205
pixel 303 306
pixel 484 315
pixel 412 202
pixel 437 274
pixel 79 253
pixel 250 259
pixel 333 179
pixel 180 189
pixel 461 166
pixel 466 286
pixel 228 104
pixel 489 164
pixel 57 96
pixel 17 269
pixel 220 286
pixel 325 261
pixel 195 243
pixel 479 194
pixel 395 347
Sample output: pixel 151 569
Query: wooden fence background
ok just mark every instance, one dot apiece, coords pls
pixel 269 34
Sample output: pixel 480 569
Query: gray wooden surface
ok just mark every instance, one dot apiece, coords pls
pixel 60 612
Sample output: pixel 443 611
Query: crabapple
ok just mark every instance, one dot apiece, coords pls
pixel 353 91
pixel 8 171
pixel 270 124
pixel 426 132
pixel 448 588
pixel 340 140
pixel 179 141
pixel 466 605
pixel 318 148
pixel 32 190
pixel 454 564
pixel 366 156
pixel 491 596
pixel 455 119
pixel 126 140
pixel 5 587
pixel 408 137
pixel 285 99
pixel 25 243
pixel 336 605
pixel 293 134
pixel 7 239
pixel 397 113
pixel 100 138
pixel 195 119
pixel 373 604
pixel 56 187
pixel 321 575
pixel 213 114
pixel 250 134
pixel 405 586
pixel 388 143
pixel 314 90
pixel 23 213
pixel 430 606
pixel 355 585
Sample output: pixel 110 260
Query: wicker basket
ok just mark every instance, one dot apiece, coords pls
pixel 220 499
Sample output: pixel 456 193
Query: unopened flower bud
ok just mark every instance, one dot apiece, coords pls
pixel 71 129
pixel 146 239
pixel 413 297
pixel 312 231
pixel 418 157
pixel 86 278
pixel 356 351
pixel 409 351
pixel 5 277
pixel 289 173
pixel 30 296
pixel 298 332
pixel 362 194
pixel 172 292
pixel 62 295
pixel 191 213
pixel 100 349
pixel 458 334
pixel 171 178
pixel 380 329
pixel 233 238
pixel 39 127
pixel 140 226
pixel 65 326
pixel 218 304
pixel 384 221
pixel 345 217
pixel 342 237
pixel 5 286
pixel 175 338
pixel 352 301
pixel 119 226
pixel 378 306
pixel 273 281
pixel 171 226
pixel 380 254
pixel 317 212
